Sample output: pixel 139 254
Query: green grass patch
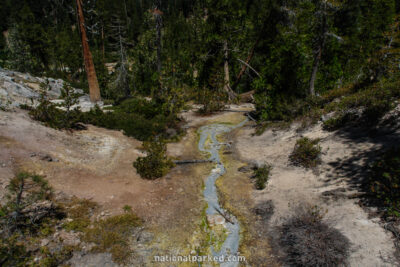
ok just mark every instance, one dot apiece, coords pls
pixel 261 176
pixel 112 235
pixel 306 153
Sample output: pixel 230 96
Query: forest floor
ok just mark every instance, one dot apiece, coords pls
pixel 96 164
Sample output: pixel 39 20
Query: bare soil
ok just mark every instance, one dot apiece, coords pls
pixel 334 186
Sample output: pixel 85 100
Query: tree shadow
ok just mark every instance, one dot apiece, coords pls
pixel 367 144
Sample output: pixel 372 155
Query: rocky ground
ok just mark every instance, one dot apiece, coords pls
pixel 18 88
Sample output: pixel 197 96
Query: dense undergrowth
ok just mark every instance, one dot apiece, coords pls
pixel 137 117
pixel 362 103
pixel 384 182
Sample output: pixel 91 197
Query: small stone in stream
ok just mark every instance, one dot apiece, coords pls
pixel 215 219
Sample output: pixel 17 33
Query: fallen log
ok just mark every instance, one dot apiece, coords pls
pixel 224 215
pixel 191 161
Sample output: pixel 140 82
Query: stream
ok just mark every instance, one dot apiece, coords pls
pixel 231 244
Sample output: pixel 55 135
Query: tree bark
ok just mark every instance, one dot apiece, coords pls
pixel 227 88
pixel 317 59
pixel 244 66
pixel 94 89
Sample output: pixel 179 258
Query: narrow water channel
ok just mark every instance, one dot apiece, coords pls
pixel 208 143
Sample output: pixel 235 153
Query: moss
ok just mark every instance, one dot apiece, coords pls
pixel 218 236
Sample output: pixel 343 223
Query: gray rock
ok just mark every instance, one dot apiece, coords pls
pixel 328 116
pixel 92 260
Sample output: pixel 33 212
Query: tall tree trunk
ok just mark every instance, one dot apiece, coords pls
pixel 158 26
pixel 317 60
pixel 244 66
pixel 227 87
pixel 94 89
pixel 103 49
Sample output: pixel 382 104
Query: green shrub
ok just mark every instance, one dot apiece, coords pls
pixel 338 122
pixel 212 101
pixel 384 181
pixel 13 252
pixel 51 114
pixel 306 153
pixel 79 210
pixel 156 164
pixel 308 241
pixel 24 191
pixel 261 176
pixel 112 235
pixel 138 118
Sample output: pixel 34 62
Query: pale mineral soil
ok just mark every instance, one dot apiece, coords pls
pixel 96 164
pixel 333 187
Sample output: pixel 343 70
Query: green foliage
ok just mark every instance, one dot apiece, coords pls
pixel 79 210
pixel 137 117
pixel 57 258
pixel 112 235
pixel 13 252
pixel 156 164
pixel 367 105
pixel 306 153
pixel 261 176
pixel 23 222
pixel 60 116
pixel 24 190
pixel 384 181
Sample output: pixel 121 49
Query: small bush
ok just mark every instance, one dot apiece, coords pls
pixel 112 235
pixel 25 190
pixel 384 181
pixel 306 153
pixel 156 164
pixel 261 176
pixel 308 241
pixel 51 115
pixel 79 210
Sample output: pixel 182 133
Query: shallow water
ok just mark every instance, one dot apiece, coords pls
pixel 210 132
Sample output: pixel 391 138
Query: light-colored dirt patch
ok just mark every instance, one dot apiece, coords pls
pixel 97 164
pixel 290 186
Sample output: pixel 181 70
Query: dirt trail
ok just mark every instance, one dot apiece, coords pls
pixel 332 188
